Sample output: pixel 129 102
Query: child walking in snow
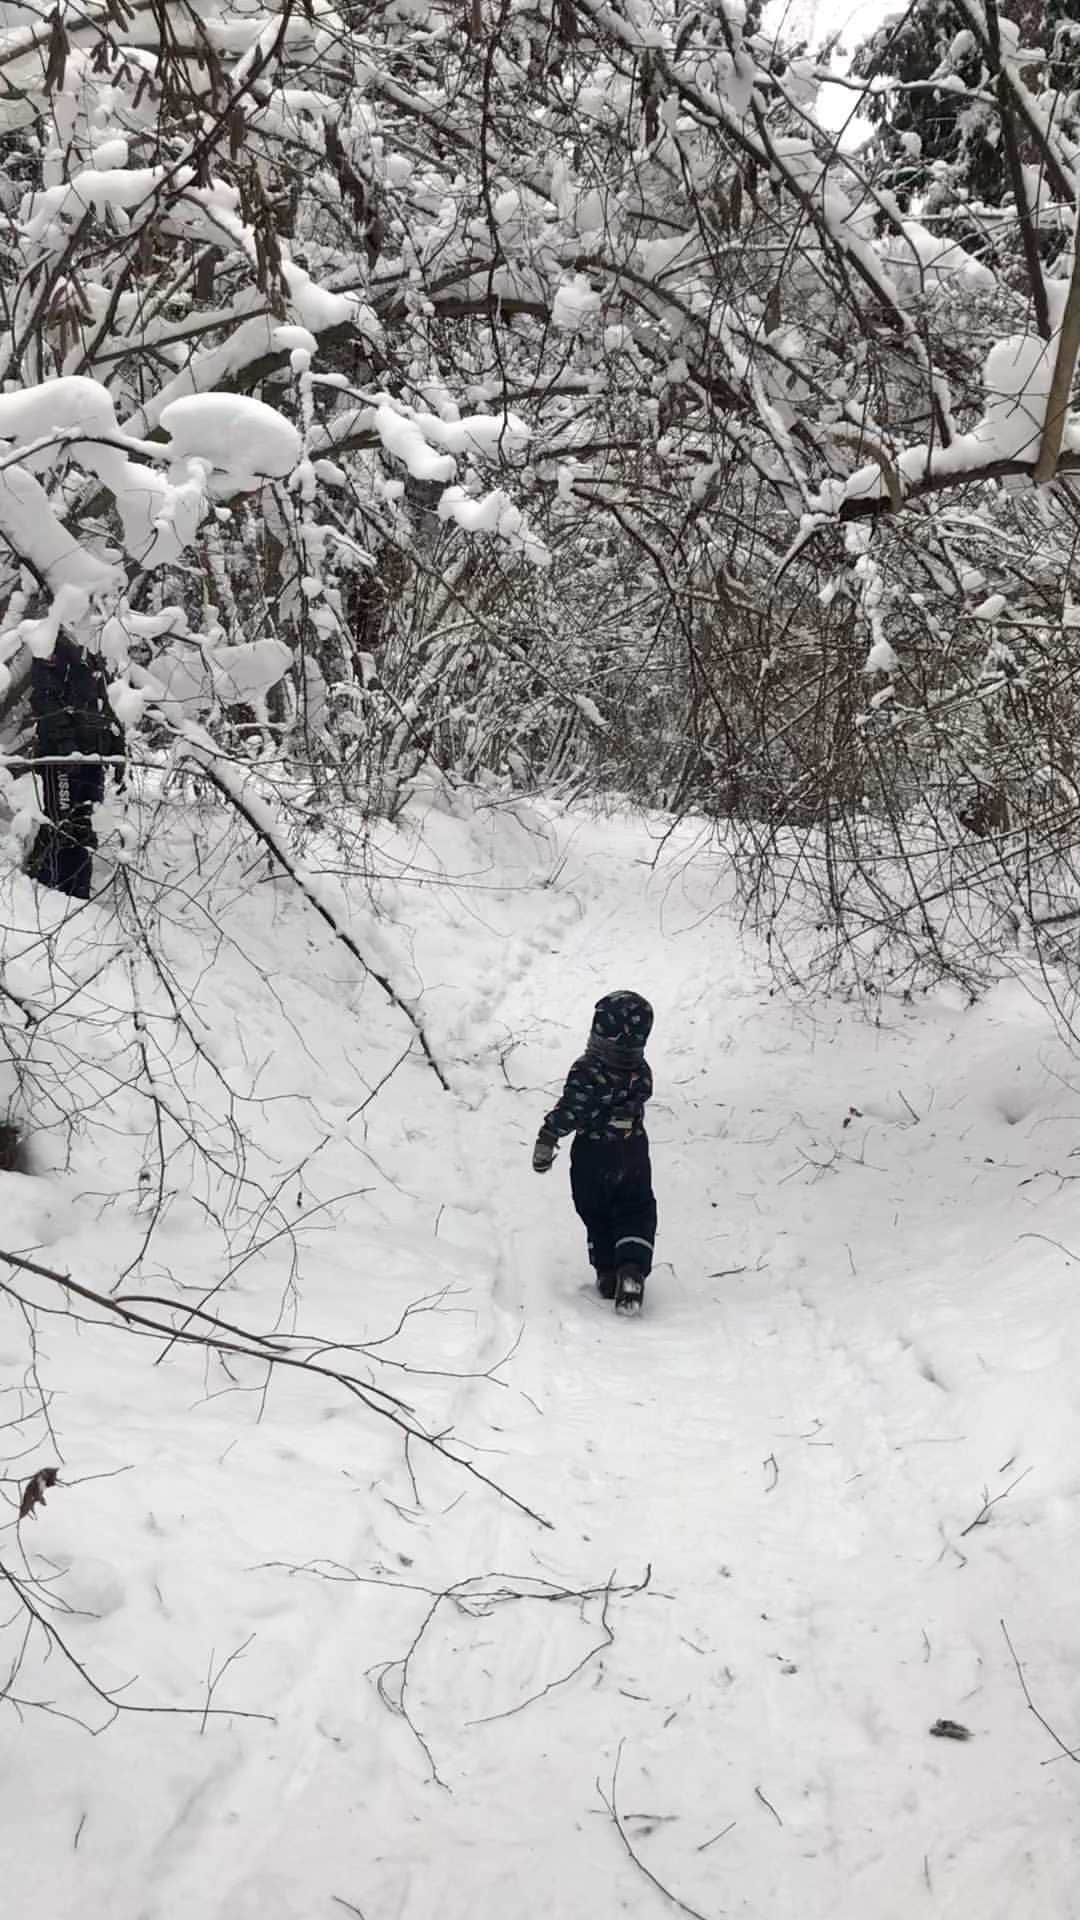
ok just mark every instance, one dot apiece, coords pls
pixel 603 1106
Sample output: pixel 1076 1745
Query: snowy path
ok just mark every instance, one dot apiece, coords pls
pixel 770 1442
pixel 847 1339
pixel 727 1441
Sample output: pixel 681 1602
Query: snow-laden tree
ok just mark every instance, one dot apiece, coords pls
pixel 359 367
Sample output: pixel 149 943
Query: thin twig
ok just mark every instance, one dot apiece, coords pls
pixel 717 1836
pixel 1068 1752
pixel 983 1514
pixel 213 1678
pixel 769 1804
pixel 612 1805
pixel 606 1640
pixel 107 1695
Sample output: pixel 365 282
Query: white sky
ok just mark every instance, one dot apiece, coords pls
pixel 853 20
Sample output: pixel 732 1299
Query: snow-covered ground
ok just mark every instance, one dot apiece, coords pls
pixel 792 1512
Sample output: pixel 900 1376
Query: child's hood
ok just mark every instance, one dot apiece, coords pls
pixel 624 1017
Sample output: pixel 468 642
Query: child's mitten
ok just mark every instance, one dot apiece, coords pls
pixel 544 1152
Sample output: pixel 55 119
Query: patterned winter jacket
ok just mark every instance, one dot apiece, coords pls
pixel 601 1101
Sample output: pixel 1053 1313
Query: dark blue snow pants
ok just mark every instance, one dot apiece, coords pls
pixel 611 1184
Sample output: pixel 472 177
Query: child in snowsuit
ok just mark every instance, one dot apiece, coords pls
pixel 602 1105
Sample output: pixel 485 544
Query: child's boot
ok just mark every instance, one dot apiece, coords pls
pixel 629 1290
pixel 605 1282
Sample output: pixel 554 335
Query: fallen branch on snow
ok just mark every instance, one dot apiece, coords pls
pixel 106 1695
pixel 1070 1753
pixel 478 1596
pixel 269 1350
pixel 989 1503
pixel 611 1803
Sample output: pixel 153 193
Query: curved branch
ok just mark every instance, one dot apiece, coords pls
pixel 204 753
pixel 249 1346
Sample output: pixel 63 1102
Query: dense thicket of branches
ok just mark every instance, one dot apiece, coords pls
pixel 539 391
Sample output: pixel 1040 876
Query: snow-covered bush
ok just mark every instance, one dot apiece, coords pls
pixel 353 431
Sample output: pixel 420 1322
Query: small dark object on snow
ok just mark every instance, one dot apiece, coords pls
pixel 33 1494
pixel 950 1730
